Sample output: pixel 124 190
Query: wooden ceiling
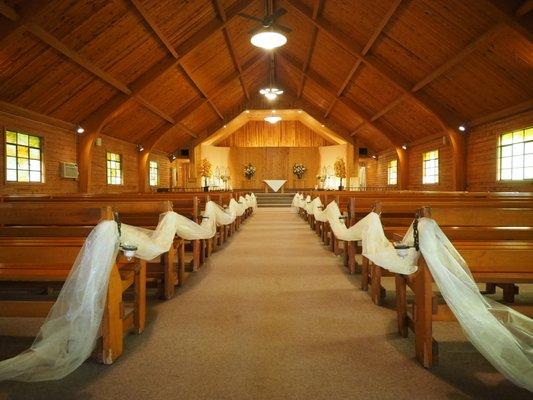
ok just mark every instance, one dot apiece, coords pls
pixel 168 73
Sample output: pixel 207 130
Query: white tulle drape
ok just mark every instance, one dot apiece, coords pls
pixel 501 334
pixel 69 333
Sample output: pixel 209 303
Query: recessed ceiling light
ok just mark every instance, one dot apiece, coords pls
pixel 268 39
pixel 247 111
pixel 225 126
pixel 300 111
pixel 272 119
pixel 322 125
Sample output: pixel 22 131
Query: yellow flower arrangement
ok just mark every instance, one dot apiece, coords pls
pixel 340 168
pixel 205 168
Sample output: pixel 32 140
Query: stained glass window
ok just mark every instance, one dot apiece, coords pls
pixel 515 155
pixel 430 167
pixel 153 173
pixel 23 157
pixel 114 169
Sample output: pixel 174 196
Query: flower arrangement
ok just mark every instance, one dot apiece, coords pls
pixel 299 170
pixel 249 171
pixel 321 178
pixel 224 178
pixel 205 168
pixel 340 170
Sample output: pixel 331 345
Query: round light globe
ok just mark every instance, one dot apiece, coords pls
pixel 268 40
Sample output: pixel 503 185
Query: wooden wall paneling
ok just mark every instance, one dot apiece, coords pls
pixel 130 171
pixel 330 60
pixel 59 145
pixel 445 165
pixel 282 134
pixel 482 142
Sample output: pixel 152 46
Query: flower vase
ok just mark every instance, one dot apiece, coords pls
pixel 340 186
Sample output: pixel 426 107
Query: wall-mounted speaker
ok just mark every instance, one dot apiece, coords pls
pixel 363 151
pixel 184 153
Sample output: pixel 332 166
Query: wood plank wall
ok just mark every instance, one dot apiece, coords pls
pixel 59 145
pixel 482 142
pixel 274 163
pixel 282 134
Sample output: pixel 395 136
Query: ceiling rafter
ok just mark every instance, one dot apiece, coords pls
pixel 395 138
pixel 500 10
pixel 231 48
pixel 114 106
pixel 316 11
pixel 519 108
pixel 433 75
pixel 444 116
pixel 373 38
pixel 83 62
pixel 525 8
pixel 151 139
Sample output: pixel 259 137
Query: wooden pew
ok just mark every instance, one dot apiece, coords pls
pixel 506 262
pixel 43 261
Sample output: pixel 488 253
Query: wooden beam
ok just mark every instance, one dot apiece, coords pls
pixel 379 29
pixel 314 34
pixel 8 12
pixel 501 11
pixel 394 137
pixel 227 37
pixel 519 108
pixel 378 66
pixel 152 138
pixel 199 91
pixel 53 42
pixel 458 57
pixel 153 25
pixel 525 8
pixel 22 112
pixel 116 104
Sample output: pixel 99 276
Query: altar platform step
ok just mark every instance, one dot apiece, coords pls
pixel 274 199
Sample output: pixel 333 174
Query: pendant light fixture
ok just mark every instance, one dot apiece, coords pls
pixel 272 119
pixel 269 35
pixel 271 92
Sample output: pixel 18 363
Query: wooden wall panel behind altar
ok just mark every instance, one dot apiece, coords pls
pixel 273 163
pixel 282 134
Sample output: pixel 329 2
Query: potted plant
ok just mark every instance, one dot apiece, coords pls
pixel 340 170
pixel 205 172
pixel 249 171
pixel 299 170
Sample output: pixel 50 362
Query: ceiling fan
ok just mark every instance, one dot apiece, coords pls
pixel 268 35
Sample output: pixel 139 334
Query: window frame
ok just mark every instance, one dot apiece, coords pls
pixel 499 156
pixel 23 131
pixel 150 168
pixel 121 169
pixel 435 166
pixel 389 169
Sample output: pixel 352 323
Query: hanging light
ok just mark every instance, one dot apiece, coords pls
pixel 79 129
pixel 268 39
pixel 404 147
pixel 140 147
pixel 462 127
pixel 271 92
pixel 272 119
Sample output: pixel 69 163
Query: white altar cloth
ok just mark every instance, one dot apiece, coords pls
pixel 275 184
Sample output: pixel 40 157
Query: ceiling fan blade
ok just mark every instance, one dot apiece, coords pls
pixel 256 30
pixel 248 16
pixel 283 28
pixel 278 13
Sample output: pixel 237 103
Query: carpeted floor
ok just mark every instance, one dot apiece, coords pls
pixel 273 315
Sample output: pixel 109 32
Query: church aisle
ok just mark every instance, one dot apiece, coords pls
pixel 273 316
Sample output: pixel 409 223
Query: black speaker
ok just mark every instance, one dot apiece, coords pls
pixel 184 153
pixel 363 151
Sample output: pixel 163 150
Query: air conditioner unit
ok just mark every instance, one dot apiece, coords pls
pixel 69 170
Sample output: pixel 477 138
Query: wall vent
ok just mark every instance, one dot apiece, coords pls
pixel 69 170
